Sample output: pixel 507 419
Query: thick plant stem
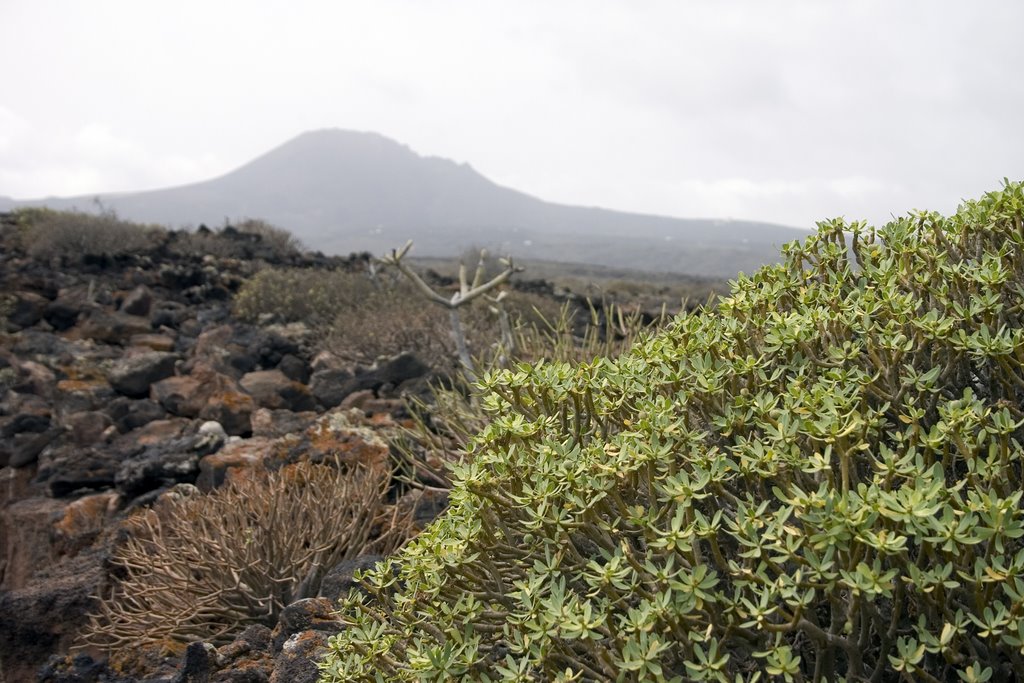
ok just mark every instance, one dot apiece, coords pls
pixel 467 292
pixel 460 343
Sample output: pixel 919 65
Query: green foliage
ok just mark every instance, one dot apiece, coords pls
pixel 45 234
pixel 444 426
pixel 819 480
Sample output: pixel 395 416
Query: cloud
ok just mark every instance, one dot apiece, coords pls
pixel 87 160
pixel 764 110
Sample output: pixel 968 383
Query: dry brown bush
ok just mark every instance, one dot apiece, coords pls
pixel 204 566
pixel 47 234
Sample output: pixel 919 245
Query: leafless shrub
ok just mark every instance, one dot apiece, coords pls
pixel 204 566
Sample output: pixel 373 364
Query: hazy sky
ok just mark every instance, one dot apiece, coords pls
pixel 781 111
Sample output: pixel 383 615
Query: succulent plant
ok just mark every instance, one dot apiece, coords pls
pixel 820 479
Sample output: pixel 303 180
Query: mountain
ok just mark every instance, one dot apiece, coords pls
pixel 342 191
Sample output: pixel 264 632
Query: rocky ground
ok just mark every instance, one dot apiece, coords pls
pixel 121 378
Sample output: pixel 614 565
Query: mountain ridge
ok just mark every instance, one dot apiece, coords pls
pixel 342 191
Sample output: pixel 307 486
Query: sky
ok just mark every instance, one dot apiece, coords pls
pixel 788 112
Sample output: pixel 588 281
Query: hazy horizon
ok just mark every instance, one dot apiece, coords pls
pixel 783 112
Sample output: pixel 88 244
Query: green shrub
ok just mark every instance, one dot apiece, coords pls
pixel 819 480
pixel 46 234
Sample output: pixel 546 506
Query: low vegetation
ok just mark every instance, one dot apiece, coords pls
pixel 820 479
pixel 46 234
pixel 203 566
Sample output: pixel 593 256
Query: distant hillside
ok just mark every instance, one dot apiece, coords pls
pixel 342 191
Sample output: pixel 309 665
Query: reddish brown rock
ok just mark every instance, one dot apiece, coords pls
pixel 231 461
pixel 209 395
pixel 112 328
pixel 273 389
pixel 233 409
pixel 339 435
pixel 83 521
pixel 178 395
pixel 276 423
pixel 156 342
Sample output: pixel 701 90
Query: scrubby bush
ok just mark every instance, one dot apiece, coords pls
pixel 248 239
pixel 818 480
pixel 45 234
pixel 312 296
pixel 204 566
pixel 360 319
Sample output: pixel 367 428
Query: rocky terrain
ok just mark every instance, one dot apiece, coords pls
pixel 121 378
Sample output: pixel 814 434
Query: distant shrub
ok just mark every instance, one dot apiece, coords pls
pixel 821 479
pixel 250 239
pixel 312 296
pixel 362 319
pixel 204 566
pixel 46 234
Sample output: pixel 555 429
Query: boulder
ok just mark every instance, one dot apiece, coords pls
pixel 67 469
pixel 23 449
pixel 247 658
pixel 88 427
pixel 47 614
pixel 330 386
pixel 27 309
pixel 128 414
pixel 309 614
pixel 25 528
pixel 138 302
pixel 209 395
pixel 156 342
pixel 132 375
pixel 273 389
pixel 297 662
pixel 337 583
pixel 179 395
pixel 233 458
pixel 275 423
pixel 82 522
pixel 294 368
pixel 112 328
pixel 62 314
pixel 231 408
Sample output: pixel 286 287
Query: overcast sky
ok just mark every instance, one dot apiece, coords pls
pixel 780 111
